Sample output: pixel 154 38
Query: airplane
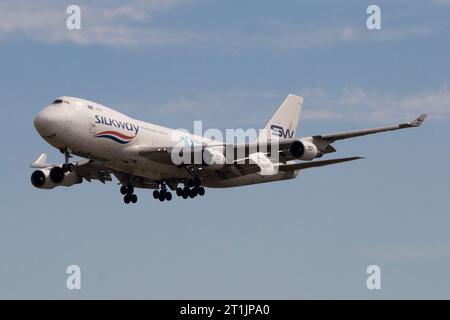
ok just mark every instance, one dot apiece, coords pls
pixel 141 155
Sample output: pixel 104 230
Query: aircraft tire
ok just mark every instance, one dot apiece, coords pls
pixel 130 189
pixel 193 193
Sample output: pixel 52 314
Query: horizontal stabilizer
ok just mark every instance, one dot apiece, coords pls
pixel 40 162
pixel 306 165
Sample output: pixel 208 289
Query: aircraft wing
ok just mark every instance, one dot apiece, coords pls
pixel 92 170
pixel 242 152
pixel 95 170
pixel 323 141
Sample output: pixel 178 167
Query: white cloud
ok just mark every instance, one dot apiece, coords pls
pixel 406 252
pixel 357 104
pixel 246 109
pixel 442 2
pixel 123 24
pixel 336 35
pixel 109 23
pixel 235 107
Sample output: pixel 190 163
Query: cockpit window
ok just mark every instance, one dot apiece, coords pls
pixel 59 101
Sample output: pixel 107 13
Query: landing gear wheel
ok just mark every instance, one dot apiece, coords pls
pixel 162 196
pixel 168 196
pixel 127 199
pixel 156 194
pixel 67 167
pixel 179 192
pixel 193 193
pixel 130 189
pixel 133 198
pixel 185 193
pixel 123 190
pixel 201 191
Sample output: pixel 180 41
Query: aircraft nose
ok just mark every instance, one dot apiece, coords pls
pixel 41 123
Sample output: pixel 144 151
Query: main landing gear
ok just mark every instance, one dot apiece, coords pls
pixel 192 188
pixel 163 194
pixel 128 193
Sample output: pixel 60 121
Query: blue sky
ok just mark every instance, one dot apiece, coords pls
pixel 230 64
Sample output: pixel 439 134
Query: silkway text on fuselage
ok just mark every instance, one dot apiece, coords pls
pixel 117 124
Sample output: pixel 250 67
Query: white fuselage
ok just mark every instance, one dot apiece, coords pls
pixel 93 131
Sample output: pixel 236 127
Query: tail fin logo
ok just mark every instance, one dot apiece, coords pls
pixel 281 132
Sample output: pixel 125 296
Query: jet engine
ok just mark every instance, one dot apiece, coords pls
pixel 304 150
pixel 50 178
pixel 263 162
pixel 214 158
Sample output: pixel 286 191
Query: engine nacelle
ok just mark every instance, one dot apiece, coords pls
pixel 214 159
pixel 57 175
pixel 303 150
pixel 263 162
pixel 41 179
pixel 54 177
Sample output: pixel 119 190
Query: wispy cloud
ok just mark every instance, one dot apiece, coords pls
pixel 109 23
pixel 442 2
pixel 239 108
pixel 335 35
pixel 358 104
pixel 233 108
pixel 132 23
pixel 408 252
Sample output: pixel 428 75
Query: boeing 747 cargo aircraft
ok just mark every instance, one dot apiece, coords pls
pixel 145 155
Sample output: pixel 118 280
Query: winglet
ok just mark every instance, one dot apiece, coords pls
pixel 41 162
pixel 418 121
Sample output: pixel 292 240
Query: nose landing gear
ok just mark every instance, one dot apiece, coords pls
pixel 67 167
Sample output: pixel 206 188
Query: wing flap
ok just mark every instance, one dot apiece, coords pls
pixel 313 164
pixel 89 169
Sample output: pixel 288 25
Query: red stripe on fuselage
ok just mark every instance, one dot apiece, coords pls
pixel 118 134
